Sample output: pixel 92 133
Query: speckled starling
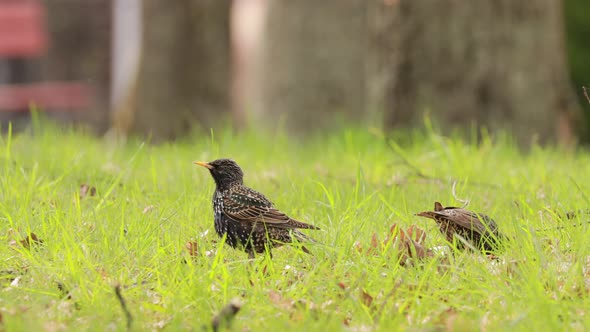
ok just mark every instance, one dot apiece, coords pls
pixel 478 230
pixel 246 217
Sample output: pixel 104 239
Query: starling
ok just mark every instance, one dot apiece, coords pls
pixel 246 217
pixel 479 230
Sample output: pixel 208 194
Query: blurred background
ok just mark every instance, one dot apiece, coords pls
pixel 160 69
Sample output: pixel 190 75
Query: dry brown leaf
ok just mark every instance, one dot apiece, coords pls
pixel 417 249
pixel 346 321
pixel 394 230
pixel 29 241
pixel 86 190
pixel 409 243
pixel 374 244
pixel 366 298
pixel 416 234
pixel 193 248
pixel 358 246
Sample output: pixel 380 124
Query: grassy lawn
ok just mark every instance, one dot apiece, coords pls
pixel 151 202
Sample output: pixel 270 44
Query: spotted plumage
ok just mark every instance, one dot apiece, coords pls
pixel 479 230
pixel 246 218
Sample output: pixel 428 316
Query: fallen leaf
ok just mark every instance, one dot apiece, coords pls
pixel 366 298
pixel 346 321
pixel 86 190
pixel 408 243
pixel 358 246
pixel 417 250
pixel 394 231
pixel 193 248
pixel 416 234
pixel 374 244
pixel 29 241
pixel 372 250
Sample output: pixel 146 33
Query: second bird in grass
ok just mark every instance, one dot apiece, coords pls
pixel 477 229
pixel 246 217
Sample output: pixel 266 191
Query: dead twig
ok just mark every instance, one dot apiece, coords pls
pixel 586 94
pixel 124 306
pixel 464 201
pixel 395 149
pixel 417 172
pixel 224 317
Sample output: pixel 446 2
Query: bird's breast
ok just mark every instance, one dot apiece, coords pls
pixel 218 203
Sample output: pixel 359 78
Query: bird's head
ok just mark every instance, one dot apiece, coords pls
pixel 225 172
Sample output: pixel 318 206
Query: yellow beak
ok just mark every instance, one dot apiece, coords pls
pixel 202 163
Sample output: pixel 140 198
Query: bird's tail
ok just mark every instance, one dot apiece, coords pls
pixel 302 238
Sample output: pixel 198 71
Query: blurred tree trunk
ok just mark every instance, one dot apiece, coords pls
pixel 183 76
pixel 80 50
pixel 381 51
pixel 496 64
pixel 313 63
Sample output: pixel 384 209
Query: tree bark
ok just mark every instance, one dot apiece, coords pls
pixel 313 63
pixel 495 64
pixel 381 51
pixel 183 76
pixel 80 50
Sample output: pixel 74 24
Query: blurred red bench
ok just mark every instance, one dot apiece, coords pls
pixel 23 35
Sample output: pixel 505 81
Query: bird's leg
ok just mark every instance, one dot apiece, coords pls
pixel 251 255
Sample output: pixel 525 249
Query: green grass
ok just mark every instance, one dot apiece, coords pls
pixel 351 184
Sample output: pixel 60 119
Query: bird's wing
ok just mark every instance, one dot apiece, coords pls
pixel 469 220
pixel 245 204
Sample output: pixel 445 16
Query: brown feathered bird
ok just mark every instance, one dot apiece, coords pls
pixel 246 217
pixel 478 230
